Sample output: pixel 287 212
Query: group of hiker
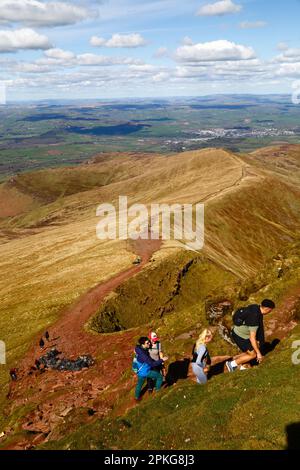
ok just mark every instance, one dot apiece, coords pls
pixel 247 333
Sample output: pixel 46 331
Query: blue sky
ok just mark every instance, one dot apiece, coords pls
pixel 145 48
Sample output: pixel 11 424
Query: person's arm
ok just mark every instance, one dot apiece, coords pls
pixel 161 355
pixel 255 345
pixel 201 351
pixel 143 357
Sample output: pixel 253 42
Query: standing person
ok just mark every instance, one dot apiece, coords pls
pixel 145 366
pixel 248 333
pixel 13 374
pixel 201 359
pixel 155 352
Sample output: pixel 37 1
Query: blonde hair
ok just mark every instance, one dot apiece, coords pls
pixel 202 336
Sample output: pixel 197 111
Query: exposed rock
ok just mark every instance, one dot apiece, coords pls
pixel 217 310
pixel 51 360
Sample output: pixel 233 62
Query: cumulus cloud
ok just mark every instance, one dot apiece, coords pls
pixel 289 54
pixel 119 40
pixel 38 13
pixel 146 68
pixel 60 54
pixel 54 59
pixel 14 40
pixel 187 41
pixel 282 46
pixel 221 8
pixel 161 52
pixel 214 51
pixel 289 70
pixel 252 24
pixel 94 59
pixel 160 77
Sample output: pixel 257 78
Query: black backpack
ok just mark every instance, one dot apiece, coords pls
pixel 239 317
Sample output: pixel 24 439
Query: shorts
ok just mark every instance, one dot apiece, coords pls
pixel 243 344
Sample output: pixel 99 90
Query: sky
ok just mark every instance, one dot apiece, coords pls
pixel 104 49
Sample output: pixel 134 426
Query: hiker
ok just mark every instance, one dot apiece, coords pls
pixel 201 359
pixel 47 336
pixel 145 366
pixel 13 374
pixel 248 333
pixel 42 343
pixel 155 352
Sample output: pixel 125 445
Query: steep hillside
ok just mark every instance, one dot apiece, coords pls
pixel 52 263
pixel 254 409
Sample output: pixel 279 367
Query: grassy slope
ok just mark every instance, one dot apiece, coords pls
pixel 245 410
pixel 46 271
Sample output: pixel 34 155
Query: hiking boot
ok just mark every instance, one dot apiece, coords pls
pixel 230 368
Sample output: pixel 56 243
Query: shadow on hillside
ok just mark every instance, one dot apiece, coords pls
pixel 269 347
pixel 177 370
pixel 180 369
pixel 266 349
pixel 216 369
pixel 293 436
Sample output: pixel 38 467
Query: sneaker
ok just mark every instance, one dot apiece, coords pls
pixel 243 368
pixel 230 368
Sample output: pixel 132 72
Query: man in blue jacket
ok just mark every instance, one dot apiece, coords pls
pixel 145 365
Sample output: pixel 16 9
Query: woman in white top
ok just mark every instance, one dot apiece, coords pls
pixel 201 360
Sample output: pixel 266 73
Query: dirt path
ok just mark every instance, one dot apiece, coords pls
pixel 55 394
pixel 245 173
pixel 72 339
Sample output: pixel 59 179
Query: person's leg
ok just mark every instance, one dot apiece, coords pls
pixel 150 384
pixel 200 374
pixel 139 387
pixel 157 377
pixel 245 357
pixel 247 352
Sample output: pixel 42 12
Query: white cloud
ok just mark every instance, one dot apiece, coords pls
pixel 60 54
pixel 39 13
pixel 14 40
pixel 221 50
pixel 143 68
pixel 161 77
pixel 54 58
pixel 282 46
pixel 119 40
pixel 288 55
pixel 25 67
pixel 289 70
pixel 221 8
pixel 187 41
pixel 161 52
pixel 94 59
pixel 252 24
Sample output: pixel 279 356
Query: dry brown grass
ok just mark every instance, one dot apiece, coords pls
pixel 41 273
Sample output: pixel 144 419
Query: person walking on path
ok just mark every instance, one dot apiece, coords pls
pixel 248 333
pixel 201 359
pixel 146 366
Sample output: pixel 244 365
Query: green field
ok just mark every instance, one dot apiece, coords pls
pixel 35 136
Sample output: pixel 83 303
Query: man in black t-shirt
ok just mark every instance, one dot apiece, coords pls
pixel 249 336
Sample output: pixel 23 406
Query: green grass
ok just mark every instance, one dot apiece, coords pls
pixel 246 410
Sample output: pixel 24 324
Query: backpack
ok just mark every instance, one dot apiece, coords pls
pixel 141 369
pixel 239 317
